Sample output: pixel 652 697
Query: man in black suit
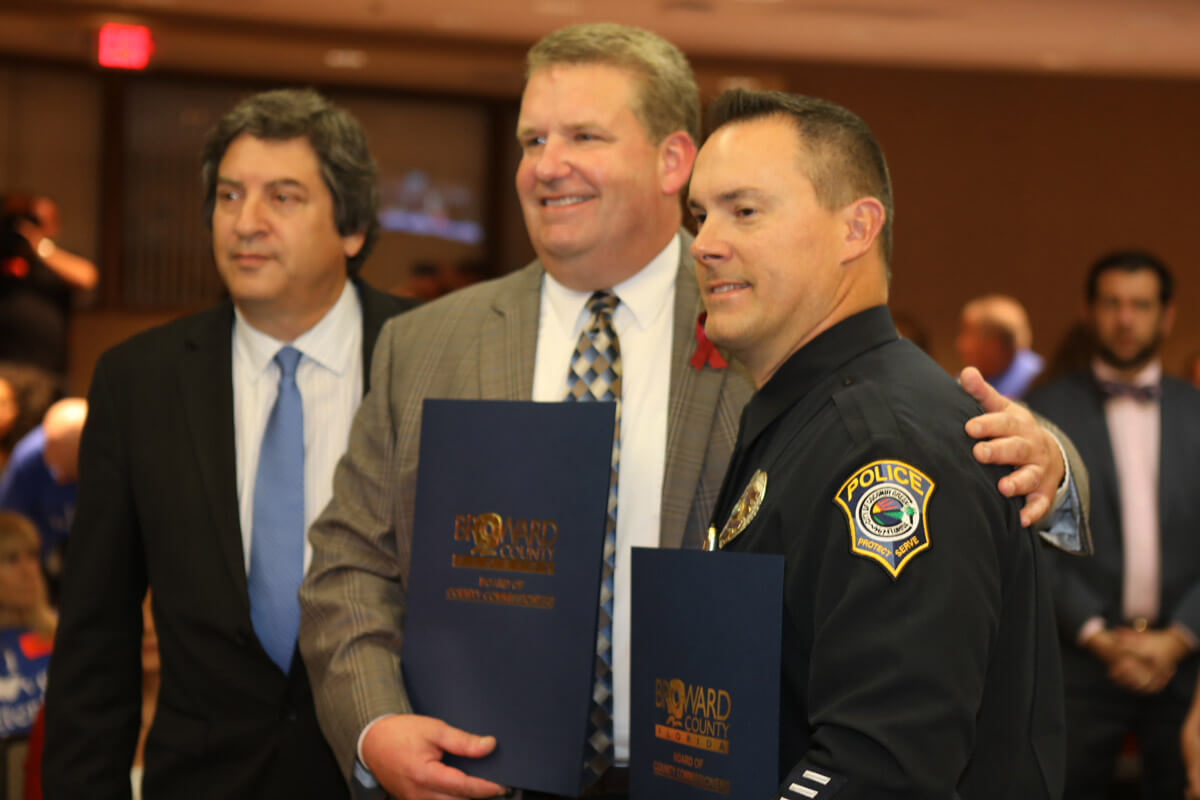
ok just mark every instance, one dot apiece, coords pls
pixel 1128 618
pixel 187 421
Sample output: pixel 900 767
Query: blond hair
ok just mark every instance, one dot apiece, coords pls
pixel 668 99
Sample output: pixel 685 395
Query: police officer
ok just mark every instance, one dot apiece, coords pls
pixel 919 656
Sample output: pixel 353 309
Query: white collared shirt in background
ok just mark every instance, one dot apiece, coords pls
pixel 1135 431
pixel 644 322
pixel 330 379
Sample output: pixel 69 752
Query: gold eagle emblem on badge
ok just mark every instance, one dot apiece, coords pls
pixel 745 509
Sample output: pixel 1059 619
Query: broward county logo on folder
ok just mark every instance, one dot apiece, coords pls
pixel 504 584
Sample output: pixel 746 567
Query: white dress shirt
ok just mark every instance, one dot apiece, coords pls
pixel 1135 430
pixel 644 324
pixel 330 379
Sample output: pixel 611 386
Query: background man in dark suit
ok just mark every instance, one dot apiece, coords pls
pixel 608 125
pixel 1128 617
pixel 175 444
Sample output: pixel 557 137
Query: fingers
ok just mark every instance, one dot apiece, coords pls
pixel 404 752
pixel 973 383
pixel 1015 450
pixel 445 780
pixel 1036 506
pixel 461 743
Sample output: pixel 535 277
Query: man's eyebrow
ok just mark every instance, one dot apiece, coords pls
pixel 730 196
pixel 275 184
pixel 287 182
pixel 734 195
pixel 586 125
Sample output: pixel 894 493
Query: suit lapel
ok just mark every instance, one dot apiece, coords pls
pixel 691 407
pixel 1172 458
pixel 508 338
pixel 206 381
pixel 1106 469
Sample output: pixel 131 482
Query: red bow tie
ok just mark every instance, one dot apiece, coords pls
pixel 706 351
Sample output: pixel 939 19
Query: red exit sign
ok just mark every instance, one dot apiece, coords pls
pixel 124 46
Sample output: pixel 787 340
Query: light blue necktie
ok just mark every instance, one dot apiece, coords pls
pixel 595 374
pixel 277 527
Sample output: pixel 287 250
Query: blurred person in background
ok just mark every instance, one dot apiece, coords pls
pixel 40 481
pixel 150 680
pixel 26 626
pixel 9 409
pixel 1129 617
pixel 37 281
pixel 995 337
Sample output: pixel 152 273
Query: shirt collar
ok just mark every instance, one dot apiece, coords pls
pixel 812 363
pixel 324 343
pixel 647 293
pixel 1149 375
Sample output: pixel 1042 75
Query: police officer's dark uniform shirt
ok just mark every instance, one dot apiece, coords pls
pixel 919 654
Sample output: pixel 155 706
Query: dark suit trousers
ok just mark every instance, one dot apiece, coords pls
pixel 1100 714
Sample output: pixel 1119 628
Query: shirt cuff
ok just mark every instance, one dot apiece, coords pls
pixel 358 753
pixel 1060 496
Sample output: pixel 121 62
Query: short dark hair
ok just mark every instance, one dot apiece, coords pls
pixel 1131 261
pixel 335 136
pixel 847 161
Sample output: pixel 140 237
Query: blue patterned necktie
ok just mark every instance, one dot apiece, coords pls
pixel 277 527
pixel 595 374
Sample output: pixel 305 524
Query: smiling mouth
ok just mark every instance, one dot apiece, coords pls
pixel 728 287
pixel 570 200
pixel 250 258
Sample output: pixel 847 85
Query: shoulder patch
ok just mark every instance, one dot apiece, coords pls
pixel 885 503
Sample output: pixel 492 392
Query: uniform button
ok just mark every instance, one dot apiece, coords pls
pixel 289 716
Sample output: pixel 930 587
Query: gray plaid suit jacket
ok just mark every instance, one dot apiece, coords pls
pixel 477 343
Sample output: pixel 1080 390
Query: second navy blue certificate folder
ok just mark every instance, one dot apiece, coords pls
pixel 706 644
pixel 504 589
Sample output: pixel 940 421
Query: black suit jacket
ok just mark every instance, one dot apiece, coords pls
pixel 158 507
pixel 1087 587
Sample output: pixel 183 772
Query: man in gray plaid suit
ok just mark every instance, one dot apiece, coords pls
pixel 608 125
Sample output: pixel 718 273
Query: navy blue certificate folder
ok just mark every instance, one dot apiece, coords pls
pixel 503 594
pixel 704 721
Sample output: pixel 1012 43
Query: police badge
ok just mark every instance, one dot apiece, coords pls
pixel 885 504
pixel 746 508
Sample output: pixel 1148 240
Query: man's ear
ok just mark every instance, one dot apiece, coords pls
pixel 353 243
pixel 864 220
pixel 676 154
pixel 1168 319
